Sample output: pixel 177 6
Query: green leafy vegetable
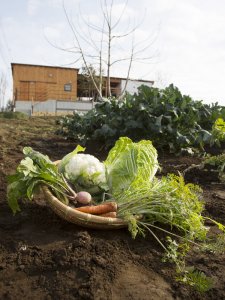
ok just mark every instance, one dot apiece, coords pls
pixel 33 171
pixel 166 201
pixel 128 164
pixel 172 121
pixel 84 171
pixel 218 131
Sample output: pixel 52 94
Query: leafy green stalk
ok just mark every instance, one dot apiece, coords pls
pixel 34 171
pixel 167 201
pixel 165 205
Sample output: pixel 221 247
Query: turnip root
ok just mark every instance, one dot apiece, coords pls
pixel 83 197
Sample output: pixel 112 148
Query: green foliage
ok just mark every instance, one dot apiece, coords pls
pixel 176 253
pixel 197 279
pixel 218 131
pixel 166 201
pixel 166 117
pixel 128 164
pixel 215 244
pixel 168 205
pixel 217 162
pixel 33 171
pixel 13 115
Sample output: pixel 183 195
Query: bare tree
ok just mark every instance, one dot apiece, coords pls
pixel 3 86
pixel 100 46
pixel 85 83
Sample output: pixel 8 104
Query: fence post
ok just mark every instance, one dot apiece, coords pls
pixel 32 106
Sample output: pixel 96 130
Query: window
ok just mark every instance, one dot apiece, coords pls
pixel 68 87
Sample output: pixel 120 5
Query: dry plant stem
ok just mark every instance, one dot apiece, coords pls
pixel 192 167
pixel 155 236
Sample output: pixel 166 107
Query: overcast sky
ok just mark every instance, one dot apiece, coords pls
pixel 187 39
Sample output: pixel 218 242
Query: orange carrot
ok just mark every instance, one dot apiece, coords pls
pixel 100 209
pixel 111 214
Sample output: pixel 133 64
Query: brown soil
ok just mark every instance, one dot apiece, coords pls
pixel 43 257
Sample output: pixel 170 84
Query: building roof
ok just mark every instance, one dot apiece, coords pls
pixel 32 65
pixel 123 78
pixel 131 79
pixel 58 67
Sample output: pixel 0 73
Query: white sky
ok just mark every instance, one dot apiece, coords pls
pixel 187 36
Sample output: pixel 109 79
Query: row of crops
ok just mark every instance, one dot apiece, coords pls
pixel 172 121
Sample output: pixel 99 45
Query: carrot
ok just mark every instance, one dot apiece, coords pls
pixel 111 214
pixel 100 209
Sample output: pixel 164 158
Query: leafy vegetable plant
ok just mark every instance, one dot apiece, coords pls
pixel 166 117
pixel 218 131
pixel 33 171
pixel 129 164
pixel 84 171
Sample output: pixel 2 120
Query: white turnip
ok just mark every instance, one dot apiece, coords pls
pixel 83 197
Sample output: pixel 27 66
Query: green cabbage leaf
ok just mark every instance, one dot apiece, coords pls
pixel 130 164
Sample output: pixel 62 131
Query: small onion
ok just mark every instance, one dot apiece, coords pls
pixel 83 197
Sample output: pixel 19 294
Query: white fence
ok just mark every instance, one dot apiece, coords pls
pixel 53 107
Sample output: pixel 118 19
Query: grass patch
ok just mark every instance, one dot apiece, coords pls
pixel 13 115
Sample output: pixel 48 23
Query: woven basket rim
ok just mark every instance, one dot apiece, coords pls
pixel 84 219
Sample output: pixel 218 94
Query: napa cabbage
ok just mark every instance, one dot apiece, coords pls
pixel 129 164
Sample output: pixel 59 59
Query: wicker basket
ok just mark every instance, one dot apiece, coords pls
pixel 82 219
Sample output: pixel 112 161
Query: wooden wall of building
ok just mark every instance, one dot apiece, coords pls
pixel 41 83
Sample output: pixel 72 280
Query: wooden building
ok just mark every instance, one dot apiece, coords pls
pixel 86 88
pixel 52 90
pixel 40 83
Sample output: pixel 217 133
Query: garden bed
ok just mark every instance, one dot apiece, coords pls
pixel 45 257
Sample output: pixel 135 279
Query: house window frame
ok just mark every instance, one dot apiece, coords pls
pixel 67 87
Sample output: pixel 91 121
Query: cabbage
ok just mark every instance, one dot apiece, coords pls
pixel 130 164
pixel 84 171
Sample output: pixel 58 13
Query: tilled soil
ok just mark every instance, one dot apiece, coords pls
pixel 44 257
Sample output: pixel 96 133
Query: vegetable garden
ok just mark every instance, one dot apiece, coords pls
pixel 157 160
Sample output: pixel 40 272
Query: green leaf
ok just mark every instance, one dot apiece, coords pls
pixel 198 280
pixel 128 162
pixel 34 170
pixel 15 191
pixel 26 166
pixel 67 158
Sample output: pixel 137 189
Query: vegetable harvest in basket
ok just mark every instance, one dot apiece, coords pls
pixel 127 179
